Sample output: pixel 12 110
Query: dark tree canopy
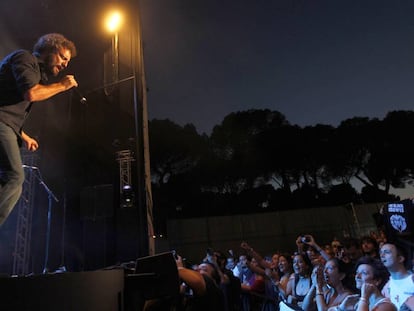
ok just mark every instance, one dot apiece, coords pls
pixel 256 161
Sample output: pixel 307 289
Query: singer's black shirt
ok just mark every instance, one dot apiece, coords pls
pixel 19 71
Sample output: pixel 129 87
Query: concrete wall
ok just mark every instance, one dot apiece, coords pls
pixel 266 232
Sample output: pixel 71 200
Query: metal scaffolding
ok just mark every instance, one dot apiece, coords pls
pixel 24 218
pixel 125 158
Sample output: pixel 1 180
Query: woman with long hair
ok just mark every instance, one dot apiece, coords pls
pixel 328 288
pixel 300 281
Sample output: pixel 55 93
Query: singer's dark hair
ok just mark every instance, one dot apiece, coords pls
pixel 52 42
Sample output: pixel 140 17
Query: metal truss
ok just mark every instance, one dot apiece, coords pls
pixel 124 158
pixel 24 218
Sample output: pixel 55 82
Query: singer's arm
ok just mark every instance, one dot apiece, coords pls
pixel 41 92
pixel 31 143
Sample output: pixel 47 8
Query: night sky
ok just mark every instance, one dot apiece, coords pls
pixel 314 61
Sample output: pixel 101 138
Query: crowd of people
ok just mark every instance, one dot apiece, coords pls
pixel 355 274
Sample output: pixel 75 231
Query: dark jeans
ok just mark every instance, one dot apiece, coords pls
pixel 11 171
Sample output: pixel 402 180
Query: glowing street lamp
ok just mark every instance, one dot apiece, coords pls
pixel 113 23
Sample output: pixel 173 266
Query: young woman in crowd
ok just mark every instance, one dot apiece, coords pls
pixel 327 288
pixel 285 272
pixel 370 277
pixel 300 281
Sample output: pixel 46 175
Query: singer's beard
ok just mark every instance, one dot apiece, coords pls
pixel 50 65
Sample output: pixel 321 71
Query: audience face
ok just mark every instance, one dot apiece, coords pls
pixel 336 246
pixel 389 256
pixel 312 254
pixel 230 263
pixel 275 260
pixel 331 273
pixel 254 263
pixel 299 265
pixel 364 274
pixel 243 261
pixel 284 265
pixel 368 247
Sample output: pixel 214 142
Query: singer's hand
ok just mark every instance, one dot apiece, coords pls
pixel 68 82
pixel 31 144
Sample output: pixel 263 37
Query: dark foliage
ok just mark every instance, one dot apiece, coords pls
pixel 255 161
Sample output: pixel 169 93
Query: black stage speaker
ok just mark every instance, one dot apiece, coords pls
pixel 155 277
pixel 98 226
pixel 80 291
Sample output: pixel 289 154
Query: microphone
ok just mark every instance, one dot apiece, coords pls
pixel 82 99
pixel 30 167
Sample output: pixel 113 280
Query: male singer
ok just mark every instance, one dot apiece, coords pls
pixel 23 81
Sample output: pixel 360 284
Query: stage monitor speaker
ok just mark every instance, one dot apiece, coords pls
pixel 80 291
pixel 154 277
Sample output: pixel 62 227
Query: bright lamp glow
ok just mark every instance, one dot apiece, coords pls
pixel 113 21
pixel 127 197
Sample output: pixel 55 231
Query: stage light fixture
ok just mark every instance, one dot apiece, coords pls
pixel 127 197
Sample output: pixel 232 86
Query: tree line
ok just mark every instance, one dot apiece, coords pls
pixel 255 160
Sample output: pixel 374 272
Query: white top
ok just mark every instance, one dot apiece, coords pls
pixel 382 300
pixel 399 290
